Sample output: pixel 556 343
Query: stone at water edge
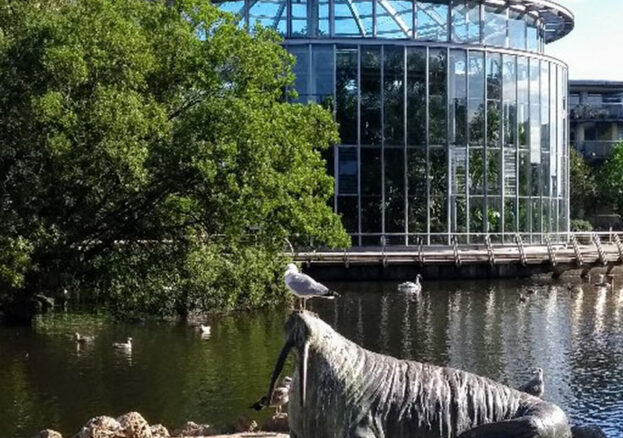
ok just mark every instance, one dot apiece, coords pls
pixel 100 427
pixel 134 426
pixel 159 431
pixel 244 424
pixel 277 423
pixel 48 433
pixel 190 428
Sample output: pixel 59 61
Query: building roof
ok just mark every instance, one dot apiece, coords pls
pixel 559 20
pixel 595 85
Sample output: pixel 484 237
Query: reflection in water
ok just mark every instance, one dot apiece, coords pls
pixel 174 374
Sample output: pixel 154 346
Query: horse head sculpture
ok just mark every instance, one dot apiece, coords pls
pixel 342 390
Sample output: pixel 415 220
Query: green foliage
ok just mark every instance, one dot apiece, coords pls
pixel 140 142
pixel 610 179
pixel 583 186
pixel 580 225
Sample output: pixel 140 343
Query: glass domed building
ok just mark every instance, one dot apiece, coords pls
pixel 453 121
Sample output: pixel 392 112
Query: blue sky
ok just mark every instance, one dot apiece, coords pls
pixel 594 48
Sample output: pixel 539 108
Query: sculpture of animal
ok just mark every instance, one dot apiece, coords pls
pixel 341 390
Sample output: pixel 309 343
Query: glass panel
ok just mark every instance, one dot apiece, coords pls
pixel 458 97
pixel 432 20
pixel 394 18
pixel 495 26
pixel 459 216
pixel 494 161
pixel 476 103
pixel 494 95
pixel 394 190
pixel 438 190
pixel 299 18
pixel 476 171
pixel 371 190
pixel 494 214
pixel 545 174
pixel 370 95
pixel 466 22
pixel 510 217
pixel 524 215
pixel 353 18
pixel 524 173
pixel 523 101
pixel 347 168
pixel 553 131
pixel 535 112
pixel 393 92
pixel 346 94
pixel 510 172
pixel 322 75
pixel 533 35
pixel 416 96
pixel 509 101
pixel 536 219
pixel 269 13
pixel 416 167
pixel 458 170
pixel 476 215
pixel 437 97
pixel 517 30
pixel 347 208
pixel 545 106
pixel 301 71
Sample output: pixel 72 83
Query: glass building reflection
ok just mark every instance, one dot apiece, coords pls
pixel 452 120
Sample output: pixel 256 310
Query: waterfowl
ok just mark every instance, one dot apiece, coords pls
pixel 123 345
pixel 83 339
pixel 411 287
pixel 304 287
pixel 205 329
pixel 536 385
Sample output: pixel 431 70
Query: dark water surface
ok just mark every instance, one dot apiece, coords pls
pixel 174 375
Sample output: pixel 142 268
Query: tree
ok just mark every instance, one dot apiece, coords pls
pixel 610 179
pixel 147 153
pixel 583 186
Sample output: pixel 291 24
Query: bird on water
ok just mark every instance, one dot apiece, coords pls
pixel 205 329
pixel 410 286
pixel 536 385
pixel 83 339
pixel 305 287
pixel 123 345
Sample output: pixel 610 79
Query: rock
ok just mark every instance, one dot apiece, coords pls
pixel 159 431
pixel 100 427
pixel 134 426
pixel 48 433
pixel 190 428
pixel 587 432
pixel 277 423
pixel 244 424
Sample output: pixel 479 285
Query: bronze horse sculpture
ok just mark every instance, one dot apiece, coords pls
pixel 342 390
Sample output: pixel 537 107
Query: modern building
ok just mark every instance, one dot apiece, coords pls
pixel 453 121
pixel 596 117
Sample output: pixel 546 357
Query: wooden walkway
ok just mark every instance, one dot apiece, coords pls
pixel 598 252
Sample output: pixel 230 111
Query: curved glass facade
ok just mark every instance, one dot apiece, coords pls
pixel 445 134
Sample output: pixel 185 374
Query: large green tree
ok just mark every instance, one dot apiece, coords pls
pixel 610 179
pixel 583 186
pixel 147 154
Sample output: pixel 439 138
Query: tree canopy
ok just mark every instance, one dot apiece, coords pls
pixel 147 153
pixel 611 179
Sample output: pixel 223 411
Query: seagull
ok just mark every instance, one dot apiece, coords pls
pixel 531 291
pixel 523 298
pixel 205 329
pixel 123 345
pixel 411 287
pixel 536 386
pixel 602 281
pixel 280 397
pixel 81 339
pixel 305 287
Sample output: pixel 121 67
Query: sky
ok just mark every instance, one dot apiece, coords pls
pixel 594 49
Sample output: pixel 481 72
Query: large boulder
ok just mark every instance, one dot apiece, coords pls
pixel 101 427
pixel 134 425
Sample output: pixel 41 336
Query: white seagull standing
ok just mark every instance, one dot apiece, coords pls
pixel 536 386
pixel 305 287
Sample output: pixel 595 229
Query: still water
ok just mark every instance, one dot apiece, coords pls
pixel 174 375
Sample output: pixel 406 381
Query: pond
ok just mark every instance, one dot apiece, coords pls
pixel 174 374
